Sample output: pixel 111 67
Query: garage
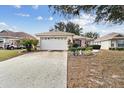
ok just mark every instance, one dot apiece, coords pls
pixel 54 40
pixel 57 43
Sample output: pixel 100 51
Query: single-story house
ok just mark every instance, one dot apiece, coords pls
pixel 81 40
pixel 9 37
pixel 54 40
pixel 57 40
pixel 112 40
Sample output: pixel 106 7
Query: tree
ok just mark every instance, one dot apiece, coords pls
pixel 29 44
pixel 106 13
pixel 60 26
pixel 93 35
pixel 34 43
pixel 67 27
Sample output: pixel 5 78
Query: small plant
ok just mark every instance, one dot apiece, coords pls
pixel 87 52
pixel 89 48
pixel 74 50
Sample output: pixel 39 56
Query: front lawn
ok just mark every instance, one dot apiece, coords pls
pixel 6 54
pixel 105 69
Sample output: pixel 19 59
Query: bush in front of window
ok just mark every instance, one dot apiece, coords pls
pixel 95 46
pixel 120 49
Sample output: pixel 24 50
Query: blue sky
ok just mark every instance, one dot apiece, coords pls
pixel 36 19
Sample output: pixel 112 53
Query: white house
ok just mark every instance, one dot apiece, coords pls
pixel 112 40
pixel 54 40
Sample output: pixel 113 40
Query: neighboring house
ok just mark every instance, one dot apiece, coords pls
pixel 7 40
pixel 112 40
pixel 9 37
pixel 82 41
pixel 57 40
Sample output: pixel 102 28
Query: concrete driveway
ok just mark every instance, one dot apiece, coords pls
pixel 41 69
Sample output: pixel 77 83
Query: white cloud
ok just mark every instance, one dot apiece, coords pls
pixel 35 6
pixel 17 6
pixel 4 26
pixel 86 21
pixel 39 18
pixel 22 14
pixel 50 18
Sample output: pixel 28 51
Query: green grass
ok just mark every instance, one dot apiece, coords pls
pixel 6 54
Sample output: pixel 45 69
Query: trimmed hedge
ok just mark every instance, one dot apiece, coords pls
pixel 95 46
pixel 80 48
pixel 116 49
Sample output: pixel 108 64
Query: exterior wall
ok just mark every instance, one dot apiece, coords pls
pixel 83 43
pixel 1 43
pixel 104 44
pixel 70 38
pixel 91 42
pixel 114 44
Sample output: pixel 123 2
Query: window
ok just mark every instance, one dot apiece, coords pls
pixel 113 43
pixel 120 43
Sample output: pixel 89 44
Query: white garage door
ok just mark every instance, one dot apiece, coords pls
pixel 54 44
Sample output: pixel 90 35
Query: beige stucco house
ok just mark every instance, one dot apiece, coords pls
pixel 58 40
pixel 82 41
pixel 54 40
pixel 112 40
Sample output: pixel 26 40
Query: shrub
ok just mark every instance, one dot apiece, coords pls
pixel 112 48
pixel 73 49
pixel 88 53
pixel 95 46
pixel 75 45
pixel 89 48
pixel 116 49
pixel 119 49
pixel 29 44
pixel 80 48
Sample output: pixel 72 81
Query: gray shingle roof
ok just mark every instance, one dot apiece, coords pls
pixel 110 36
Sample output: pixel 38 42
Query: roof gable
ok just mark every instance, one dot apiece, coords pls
pixel 109 36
